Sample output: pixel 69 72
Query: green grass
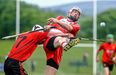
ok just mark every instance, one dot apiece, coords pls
pixel 73 55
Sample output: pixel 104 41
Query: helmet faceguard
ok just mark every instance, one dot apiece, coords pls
pixel 72 18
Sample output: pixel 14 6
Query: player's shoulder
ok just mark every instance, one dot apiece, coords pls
pixel 75 24
pixel 38 34
pixel 104 43
pixel 34 33
pixel 114 44
pixel 60 17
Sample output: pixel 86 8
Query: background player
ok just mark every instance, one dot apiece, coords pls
pixel 109 50
pixel 53 46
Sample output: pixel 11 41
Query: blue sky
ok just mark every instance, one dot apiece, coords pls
pixel 47 3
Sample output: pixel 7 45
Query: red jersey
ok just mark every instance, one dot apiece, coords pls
pixel 108 51
pixel 74 25
pixel 26 44
pixel 56 55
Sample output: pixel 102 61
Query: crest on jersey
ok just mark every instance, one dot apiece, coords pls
pixel 65 21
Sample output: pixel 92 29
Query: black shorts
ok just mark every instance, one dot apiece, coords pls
pixel 110 66
pixel 52 63
pixel 53 54
pixel 13 67
pixel 50 45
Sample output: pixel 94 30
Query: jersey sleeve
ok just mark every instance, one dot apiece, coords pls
pixel 101 47
pixel 59 17
pixel 75 29
pixel 115 48
pixel 115 52
pixel 41 36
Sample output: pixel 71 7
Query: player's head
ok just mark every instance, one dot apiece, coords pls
pixel 74 13
pixel 37 28
pixel 110 38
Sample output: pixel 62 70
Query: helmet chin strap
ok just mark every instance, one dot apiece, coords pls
pixel 72 18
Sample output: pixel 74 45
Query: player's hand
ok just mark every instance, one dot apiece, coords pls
pixel 97 59
pixel 69 35
pixel 52 20
pixel 114 59
pixel 47 28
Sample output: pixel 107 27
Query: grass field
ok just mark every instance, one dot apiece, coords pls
pixel 74 55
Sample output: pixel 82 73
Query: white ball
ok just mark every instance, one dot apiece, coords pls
pixel 102 24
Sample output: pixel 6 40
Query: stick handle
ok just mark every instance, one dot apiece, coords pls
pixel 89 39
pixel 12 36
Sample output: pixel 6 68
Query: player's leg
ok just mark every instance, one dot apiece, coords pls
pixel 107 68
pixel 114 58
pixel 60 41
pixel 22 70
pixel 54 52
pixel 50 70
pixel 111 68
pixel 6 67
pixel 66 43
pixel 51 67
pixel 106 71
pixel 54 56
pixel 13 67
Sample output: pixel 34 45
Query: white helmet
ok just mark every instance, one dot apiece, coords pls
pixel 76 8
pixel 37 27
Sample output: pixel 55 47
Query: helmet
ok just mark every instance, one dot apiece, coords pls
pixel 110 36
pixel 76 8
pixel 37 27
pixel 73 18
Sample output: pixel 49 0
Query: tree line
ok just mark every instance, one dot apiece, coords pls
pixel 32 14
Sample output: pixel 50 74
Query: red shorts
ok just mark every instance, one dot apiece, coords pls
pixel 54 55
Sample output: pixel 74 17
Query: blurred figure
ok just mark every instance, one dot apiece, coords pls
pixel 85 58
pixel 1 63
pixel 109 50
pixel 33 65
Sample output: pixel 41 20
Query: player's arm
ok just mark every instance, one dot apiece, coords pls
pixel 65 26
pixel 47 27
pixel 41 42
pixel 62 24
pixel 114 57
pixel 100 48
